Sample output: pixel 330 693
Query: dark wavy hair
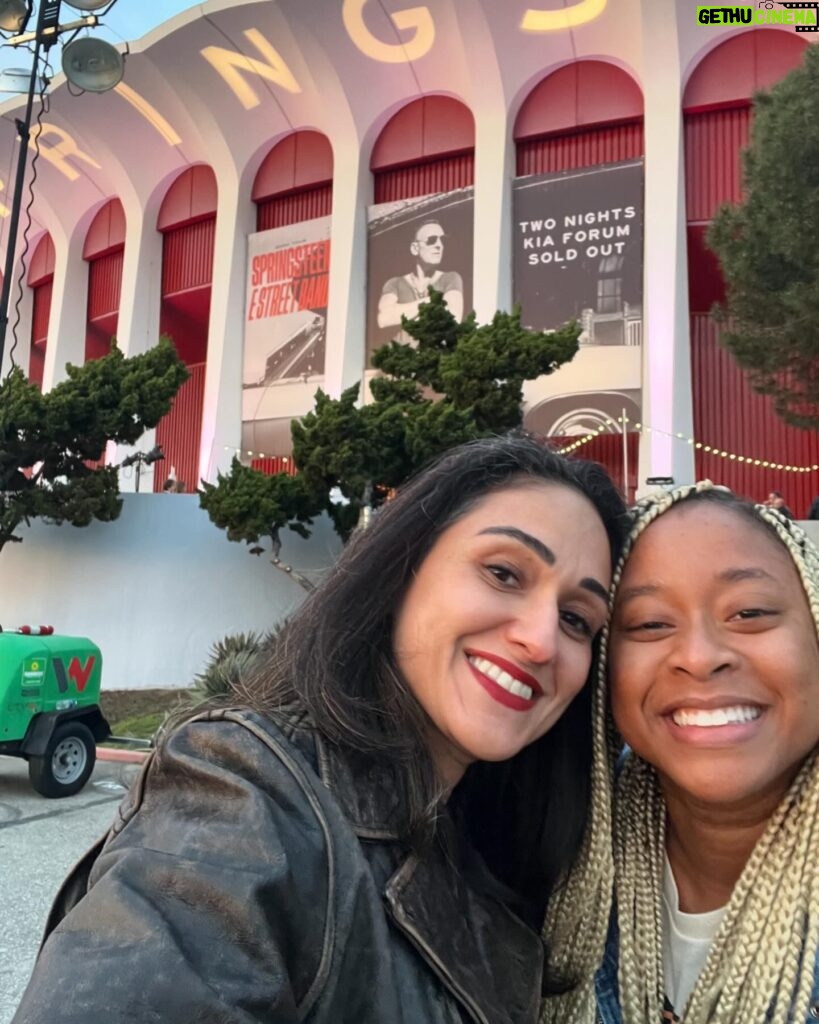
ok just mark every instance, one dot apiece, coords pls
pixel 525 816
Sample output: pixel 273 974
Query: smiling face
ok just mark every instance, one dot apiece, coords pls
pixel 429 244
pixel 714 664
pixel 494 634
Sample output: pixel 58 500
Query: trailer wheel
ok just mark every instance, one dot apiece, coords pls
pixel 67 763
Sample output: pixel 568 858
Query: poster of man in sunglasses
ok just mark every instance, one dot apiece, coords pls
pixel 416 244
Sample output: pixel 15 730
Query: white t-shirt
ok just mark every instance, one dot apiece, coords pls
pixel 687 939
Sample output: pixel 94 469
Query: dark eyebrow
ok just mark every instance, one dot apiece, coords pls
pixel 736 575
pixel 543 553
pixel 749 573
pixel 595 587
pixel 547 555
pixel 630 593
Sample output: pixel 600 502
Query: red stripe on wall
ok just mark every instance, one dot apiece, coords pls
pixel 105 284
pixel 295 207
pixel 421 179
pixel 730 416
pixel 607 449
pixel 40 316
pixel 275 464
pixel 187 257
pixel 179 431
pixel 713 162
pixel 588 148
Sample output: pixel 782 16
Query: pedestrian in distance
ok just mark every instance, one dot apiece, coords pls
pixel 374 825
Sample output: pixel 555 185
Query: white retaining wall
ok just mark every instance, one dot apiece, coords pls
pixel 154 589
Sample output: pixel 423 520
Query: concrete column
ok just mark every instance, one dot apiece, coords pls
pixel 69 309
pixel 494 170
pixel 222 405
pixel 667 399
pixel 139 304
pixel 347 305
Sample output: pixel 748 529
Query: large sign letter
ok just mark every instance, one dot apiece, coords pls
pixel 232 66
pixel 59 153
pixel 417 19
pixel 149 112
pixel 570 17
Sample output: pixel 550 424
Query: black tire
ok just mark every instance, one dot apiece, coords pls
pixel 67 763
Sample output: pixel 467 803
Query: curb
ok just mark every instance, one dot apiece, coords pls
pixel 123 756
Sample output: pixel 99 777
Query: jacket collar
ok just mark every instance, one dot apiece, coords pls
pixel 486 956
pixel 364 790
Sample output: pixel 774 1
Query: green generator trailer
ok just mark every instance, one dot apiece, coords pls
pixel 49 706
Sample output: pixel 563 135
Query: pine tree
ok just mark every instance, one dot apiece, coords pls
pixel 47 440
pixel 769 249
pixel 460 382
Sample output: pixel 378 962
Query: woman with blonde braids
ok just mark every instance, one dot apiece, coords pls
pixel 713 669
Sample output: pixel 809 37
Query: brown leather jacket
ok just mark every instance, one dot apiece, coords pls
pixel 250 876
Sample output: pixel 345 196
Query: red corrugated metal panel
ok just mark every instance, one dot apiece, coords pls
pixel 743 65
pixel 301 160
pixel 275 464
pixel 42 262
pixel 104 284
pixel 294 208
pixel 713 163
pixel 191 197
pixel 607 449
pixel 565 151
pixel 730 416
pixel 423 179
pixel 187 256
pixel 107 230
pixel 425 129
pixel 580 94
pixel 179 433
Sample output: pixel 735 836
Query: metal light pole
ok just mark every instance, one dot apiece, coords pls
pixel 47 32
pixel 47 17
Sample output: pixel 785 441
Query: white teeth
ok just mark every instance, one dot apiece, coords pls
pixel 716 716
pixel 503 679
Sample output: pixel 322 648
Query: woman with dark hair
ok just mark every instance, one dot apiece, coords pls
pixel 370 830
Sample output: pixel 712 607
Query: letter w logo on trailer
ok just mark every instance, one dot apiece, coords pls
pixel 77 673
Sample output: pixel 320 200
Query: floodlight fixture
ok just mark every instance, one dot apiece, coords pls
pixel 87 5
pixel 18 80
pixel 92 65
pixel 13 15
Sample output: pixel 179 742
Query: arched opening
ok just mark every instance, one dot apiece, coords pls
pixel 294 185
pixel 427 147
pixel 104 250
pixel 295 181
pixel 41 283
pixel 587 114
pixel 728 414
pixel 187 220
pixel 421 228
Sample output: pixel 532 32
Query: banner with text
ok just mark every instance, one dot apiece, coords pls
pixel 288 279
pixel 578 254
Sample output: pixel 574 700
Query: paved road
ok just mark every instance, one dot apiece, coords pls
pixel 39 841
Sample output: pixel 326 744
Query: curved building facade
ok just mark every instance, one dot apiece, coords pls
pixel 274 183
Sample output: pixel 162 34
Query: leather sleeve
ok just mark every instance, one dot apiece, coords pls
pixel 209 902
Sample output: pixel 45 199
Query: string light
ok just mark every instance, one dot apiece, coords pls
pixel 640 428
pixel 255 455
pixel 643 428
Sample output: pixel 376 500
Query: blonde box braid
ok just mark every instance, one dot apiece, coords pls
pixel 760 966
